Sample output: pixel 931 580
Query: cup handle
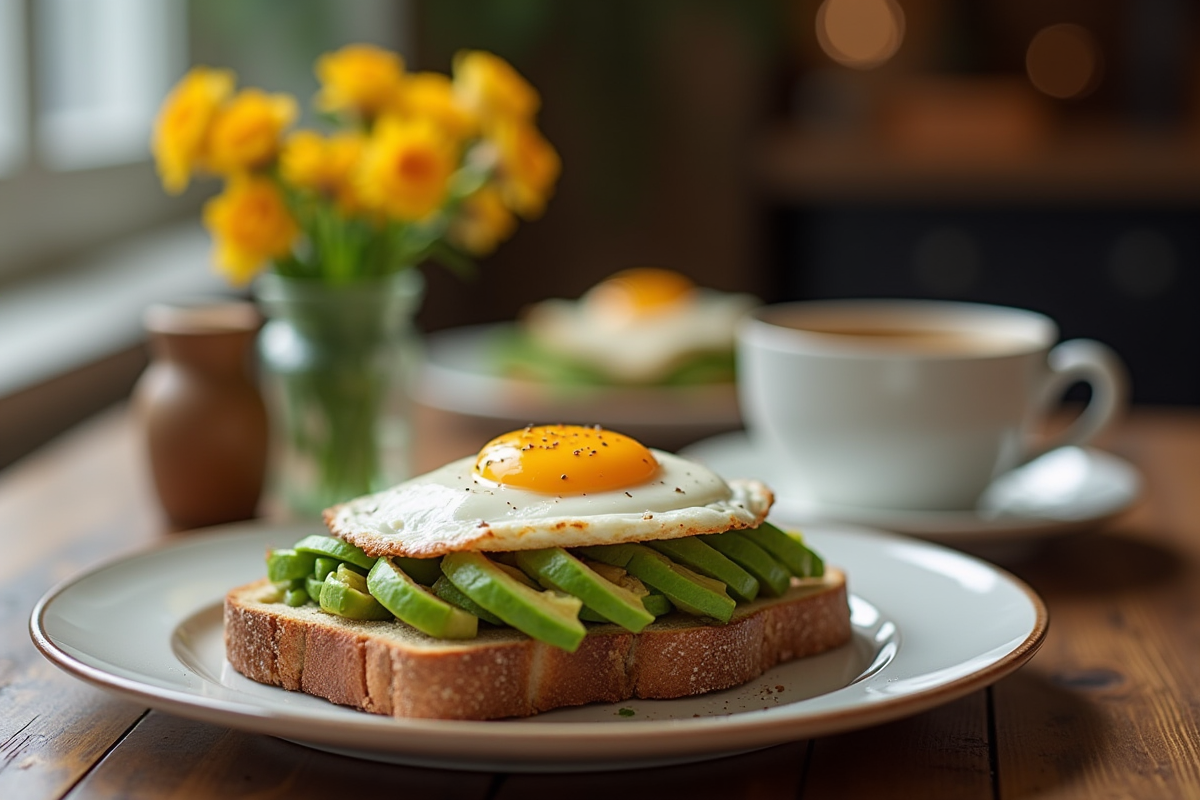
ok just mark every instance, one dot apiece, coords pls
pixel 1099 366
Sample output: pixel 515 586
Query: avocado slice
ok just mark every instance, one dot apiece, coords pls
pixel 334 548
pixel 555 568
pixel 687 590
pixel 695 554
pixel 424 571
pixel 618 576
pixel 616 555
pixel 773 577
pixel 546 616
pixel 799 560
pixel 657 604
pixel 818 563
pixel 343 595
pixel 323 566
pixel 287 564
pixel 446 590
pixel 411 602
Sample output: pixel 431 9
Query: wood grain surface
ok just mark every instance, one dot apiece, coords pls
pixel 1110 707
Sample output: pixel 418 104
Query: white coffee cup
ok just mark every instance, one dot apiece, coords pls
pixel 912 404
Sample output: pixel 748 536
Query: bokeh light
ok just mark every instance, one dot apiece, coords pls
pixel 860 33
pixel 1064 61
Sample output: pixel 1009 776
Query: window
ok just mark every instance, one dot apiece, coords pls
pixel 12 86
pixel 103 68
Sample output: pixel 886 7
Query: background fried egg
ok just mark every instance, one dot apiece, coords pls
pixel 639 324
pixel 550 486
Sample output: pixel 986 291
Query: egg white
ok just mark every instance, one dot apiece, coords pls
pixel 638 349
pixel 452 509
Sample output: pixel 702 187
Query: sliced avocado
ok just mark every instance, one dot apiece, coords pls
pixel 799 560
pixel 518 574
pixel 295 597
pixel 313 587
pixel 324 566
pixel 772 576
pixel 657 604
pixel 286 564
pixel 334 548
pixel 617 555
pixel 446 590
pixel 695 554
pixel 411 602
pixel 555 568
pixel 618 576
pixel 687 590
pixel 818 563
pixel 424 571
pixel 350 577
pixel 546 616
pixel 339 596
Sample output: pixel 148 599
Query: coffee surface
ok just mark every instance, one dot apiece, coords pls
pixel 919 340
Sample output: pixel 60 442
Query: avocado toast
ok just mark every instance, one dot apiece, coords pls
pixel 692 593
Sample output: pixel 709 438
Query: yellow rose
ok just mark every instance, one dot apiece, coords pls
pixel 483 222
pixel 406 168
pixel 246 131
pixel 431 95
pixel 360 78
pixel 528 167
pixel 250 224
pixel 183 122
pixel 489 86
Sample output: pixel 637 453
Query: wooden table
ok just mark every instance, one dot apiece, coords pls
pixel 1110 707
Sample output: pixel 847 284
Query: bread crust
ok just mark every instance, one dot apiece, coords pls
pixel 390 668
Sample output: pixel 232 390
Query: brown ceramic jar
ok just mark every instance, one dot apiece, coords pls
pixel 201 412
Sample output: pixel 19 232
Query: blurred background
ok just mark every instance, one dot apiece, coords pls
pixel 1044 154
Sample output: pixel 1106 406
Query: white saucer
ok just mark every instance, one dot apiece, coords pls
pixel 1065 490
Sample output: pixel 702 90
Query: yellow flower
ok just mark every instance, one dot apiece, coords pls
pixel 483 222
pixel 360 78
pixel 250 224
pixel 310 161
pixel 183 121
pixel 302 160
pixel 528 167
pixel 489 86
pixel 431 95
pixel 245 132
pixel 406 168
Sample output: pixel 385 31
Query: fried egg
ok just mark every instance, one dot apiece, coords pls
pixel 639 324
pixel 550 486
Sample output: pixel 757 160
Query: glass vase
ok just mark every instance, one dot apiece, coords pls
pixel 336 363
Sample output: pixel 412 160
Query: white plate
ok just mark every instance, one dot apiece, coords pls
pixel 1065 490
pixel 149 627
pixel 458 375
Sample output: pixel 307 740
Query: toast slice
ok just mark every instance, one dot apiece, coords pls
pixel 393 669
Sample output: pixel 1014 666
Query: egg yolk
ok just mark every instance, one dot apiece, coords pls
pixel 640 292
pixel 565 459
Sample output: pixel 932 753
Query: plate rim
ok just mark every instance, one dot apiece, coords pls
pixel 689 739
